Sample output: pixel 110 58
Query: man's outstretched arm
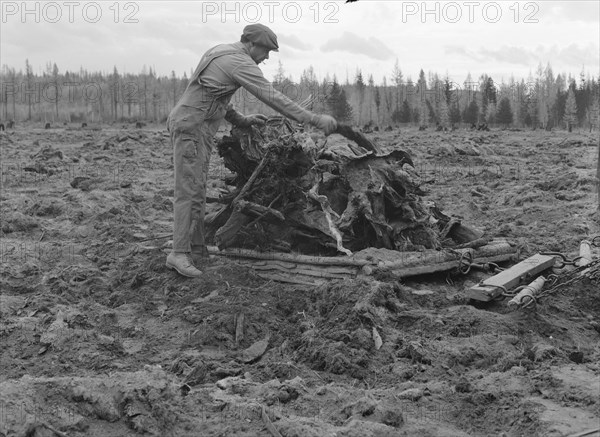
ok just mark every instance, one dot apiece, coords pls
pixel 238 119
pixel 252 79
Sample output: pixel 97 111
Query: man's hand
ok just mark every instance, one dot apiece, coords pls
pixel 325 122
pixel 255 119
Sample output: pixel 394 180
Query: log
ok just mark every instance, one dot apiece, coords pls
pixel 495 251
pixel 310 270
pixel 295 258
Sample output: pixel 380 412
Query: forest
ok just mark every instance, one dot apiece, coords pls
pixel 543 100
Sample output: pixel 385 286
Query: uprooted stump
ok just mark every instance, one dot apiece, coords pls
pixel 293 196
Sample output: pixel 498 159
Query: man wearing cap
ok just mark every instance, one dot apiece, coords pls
pixel 194 121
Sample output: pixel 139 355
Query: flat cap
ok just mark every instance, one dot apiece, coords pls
pixel 261 34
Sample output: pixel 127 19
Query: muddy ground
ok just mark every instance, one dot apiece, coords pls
pixel 98 338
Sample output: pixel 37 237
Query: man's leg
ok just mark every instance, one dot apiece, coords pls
pixel 198 240
pixel 188 174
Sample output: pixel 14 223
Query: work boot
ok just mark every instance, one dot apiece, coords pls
pixel 182 262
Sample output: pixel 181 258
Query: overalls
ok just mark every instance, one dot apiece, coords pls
pixel 192 125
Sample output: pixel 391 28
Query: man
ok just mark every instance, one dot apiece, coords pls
pixel 194 121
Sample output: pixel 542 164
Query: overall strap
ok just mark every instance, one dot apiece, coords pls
pixel 207 59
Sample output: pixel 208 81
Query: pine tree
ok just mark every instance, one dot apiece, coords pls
pixel 29 76
pixel 396 118
pixel 279 77
pixel 454 114
pixel 595 114
pixel 371 87
pixel 444 113
pixel 488 95
pixel 397 79
pixel 505 114
pixel 115 92
pixel 55 80
pixel 360 87
pixel 570 110
pixel 338 105
pixel 405 113
pixel 174 86
pixel 423 114
pixel 471 112
pixel 377 102
pixel 490 113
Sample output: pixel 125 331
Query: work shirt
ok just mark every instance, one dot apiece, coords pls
pixel 212 86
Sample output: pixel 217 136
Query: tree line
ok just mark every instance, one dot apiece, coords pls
pixel 543 100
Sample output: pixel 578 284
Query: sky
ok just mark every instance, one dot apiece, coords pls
pixel 501 39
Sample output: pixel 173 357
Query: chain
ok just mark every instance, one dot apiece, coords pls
pixel 561 281
pixel 565 261
pixel 465 263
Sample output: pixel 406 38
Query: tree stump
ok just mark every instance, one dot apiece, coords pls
pixel 324 201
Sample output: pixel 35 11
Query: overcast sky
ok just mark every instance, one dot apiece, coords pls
pixel 500 39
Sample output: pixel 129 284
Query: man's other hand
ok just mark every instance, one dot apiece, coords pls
pixel 325 122
pixel 255 119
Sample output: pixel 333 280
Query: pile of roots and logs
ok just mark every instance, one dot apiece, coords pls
pixel 292 196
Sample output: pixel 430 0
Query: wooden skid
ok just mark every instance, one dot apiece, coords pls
pixel 315 270
pixel 522 272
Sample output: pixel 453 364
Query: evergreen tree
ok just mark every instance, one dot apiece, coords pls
pixel 454 114
pixel 570 110
pixel 444 113
pixel 396 116
pixel 279 77
pixel 448 92
pixel 423 114
pixel 405 113
pixel 371 88
pixel 397 79
pixel 55 81
pixel 115 92
pixel 471 113
pixel 29 76
pixel 490 113
pixel 360 87
pixel 338 104
pixel 377 102
pixel 432 116
pixel 595 114
pixel 505 114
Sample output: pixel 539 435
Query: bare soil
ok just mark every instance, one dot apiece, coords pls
pixel 98 338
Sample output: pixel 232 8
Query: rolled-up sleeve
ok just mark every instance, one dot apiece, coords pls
pixel 251 78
